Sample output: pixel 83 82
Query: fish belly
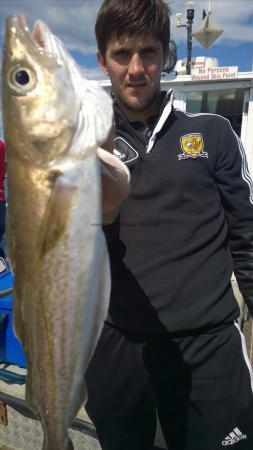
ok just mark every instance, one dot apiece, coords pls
pixel 62 301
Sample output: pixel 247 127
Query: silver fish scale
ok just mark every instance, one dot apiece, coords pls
pixel 23 433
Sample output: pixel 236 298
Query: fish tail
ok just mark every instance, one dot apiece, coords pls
pixel 65 444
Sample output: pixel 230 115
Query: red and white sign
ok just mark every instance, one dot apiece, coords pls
pixel 214 73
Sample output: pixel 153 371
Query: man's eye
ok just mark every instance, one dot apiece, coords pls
pixel 149 51
pixel 121 54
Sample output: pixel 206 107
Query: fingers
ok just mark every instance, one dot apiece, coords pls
pixel 115 179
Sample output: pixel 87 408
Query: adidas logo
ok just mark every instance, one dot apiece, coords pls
pixel 234 437
pixel 118 154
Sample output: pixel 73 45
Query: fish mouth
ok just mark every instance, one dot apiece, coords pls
pixel 38 36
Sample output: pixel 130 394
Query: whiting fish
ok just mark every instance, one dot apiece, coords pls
pixel 54 123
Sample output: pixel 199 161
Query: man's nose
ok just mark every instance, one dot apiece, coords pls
pixel 136 65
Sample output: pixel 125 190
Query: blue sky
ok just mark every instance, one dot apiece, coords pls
pixel 73 21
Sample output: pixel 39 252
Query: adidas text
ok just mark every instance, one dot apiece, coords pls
pixel 234 437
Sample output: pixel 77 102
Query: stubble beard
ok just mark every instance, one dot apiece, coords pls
pixel 145 104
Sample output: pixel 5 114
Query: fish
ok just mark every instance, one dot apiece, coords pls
pixel 55 122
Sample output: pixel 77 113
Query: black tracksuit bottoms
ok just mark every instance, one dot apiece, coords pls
pixel 200 385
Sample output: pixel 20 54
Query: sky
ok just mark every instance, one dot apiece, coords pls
pixel 73 22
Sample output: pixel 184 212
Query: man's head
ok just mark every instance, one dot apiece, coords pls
pixel 133 44
pixel 118 17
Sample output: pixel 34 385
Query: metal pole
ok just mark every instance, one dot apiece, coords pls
pixel 190 17
pixel 189 49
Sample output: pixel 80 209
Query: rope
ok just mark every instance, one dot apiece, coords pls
pixel 5 292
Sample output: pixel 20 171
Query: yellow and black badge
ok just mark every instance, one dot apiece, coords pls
pixel 192 146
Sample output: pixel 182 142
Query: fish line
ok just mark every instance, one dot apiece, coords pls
pixel 49 343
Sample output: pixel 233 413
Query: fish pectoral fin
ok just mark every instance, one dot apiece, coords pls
pixel 18 323
pixel 55 220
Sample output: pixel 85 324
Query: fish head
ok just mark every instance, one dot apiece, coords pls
pixel 40 105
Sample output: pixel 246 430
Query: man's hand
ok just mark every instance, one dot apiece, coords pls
pixel 115 179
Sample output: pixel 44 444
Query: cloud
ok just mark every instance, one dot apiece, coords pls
pixel 234 16
pixel 73 21
pixel 92 73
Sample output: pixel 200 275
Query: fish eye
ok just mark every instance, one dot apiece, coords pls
pixel 21 79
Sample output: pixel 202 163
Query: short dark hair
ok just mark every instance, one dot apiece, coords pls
pixel 118 17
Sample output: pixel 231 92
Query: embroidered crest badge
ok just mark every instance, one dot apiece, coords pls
pixel 192 146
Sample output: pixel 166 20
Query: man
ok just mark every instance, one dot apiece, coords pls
pixel 2 196
pixel 171 342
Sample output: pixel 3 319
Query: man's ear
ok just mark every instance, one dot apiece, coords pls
pixel 166 54
pixel 102 62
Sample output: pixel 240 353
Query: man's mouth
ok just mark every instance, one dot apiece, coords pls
pixel 138 85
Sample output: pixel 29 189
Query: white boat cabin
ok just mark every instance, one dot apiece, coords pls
pixel 217 90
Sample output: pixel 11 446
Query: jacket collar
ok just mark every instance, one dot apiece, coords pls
pixel 165 111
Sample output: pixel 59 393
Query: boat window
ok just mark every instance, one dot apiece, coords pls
pixel 228 103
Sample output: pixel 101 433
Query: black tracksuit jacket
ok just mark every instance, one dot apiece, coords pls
pixel 185 227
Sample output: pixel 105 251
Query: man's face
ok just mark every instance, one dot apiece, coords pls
pixel 134 65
